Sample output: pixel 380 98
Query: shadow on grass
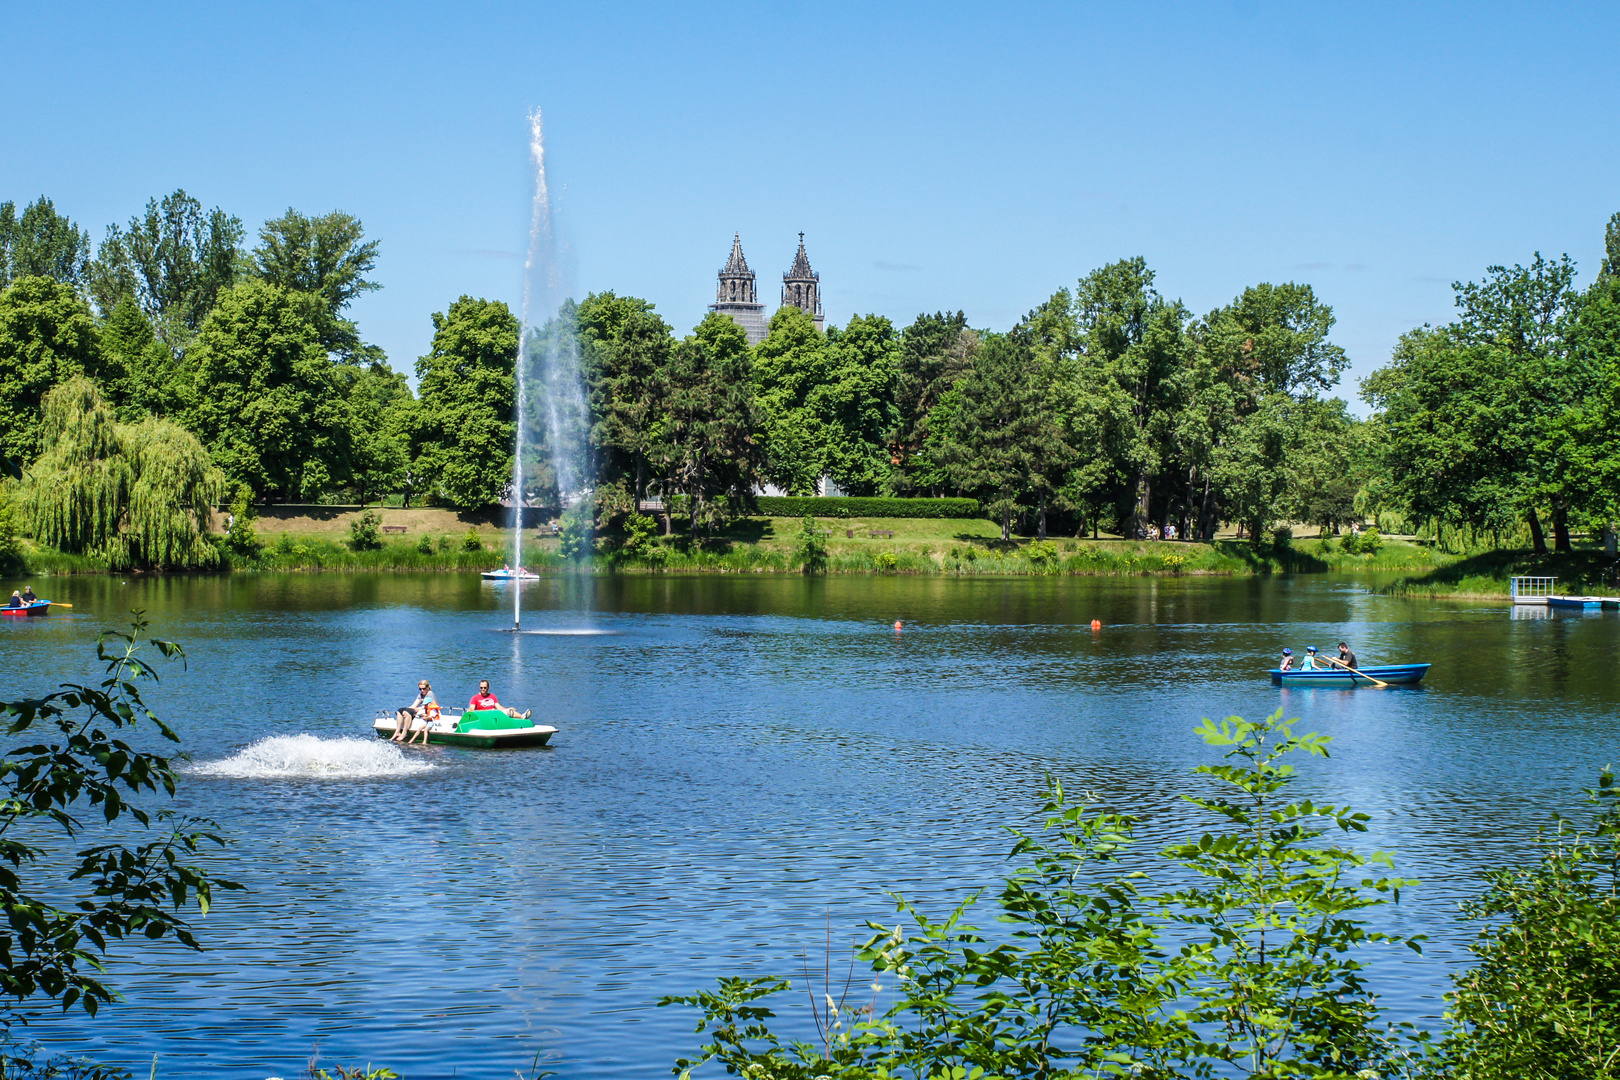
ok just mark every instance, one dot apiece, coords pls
pixel 1270 558
pixel 1577 572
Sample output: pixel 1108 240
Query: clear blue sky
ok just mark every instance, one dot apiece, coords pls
pixel 936 156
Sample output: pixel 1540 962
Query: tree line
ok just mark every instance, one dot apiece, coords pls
pixel 1109 406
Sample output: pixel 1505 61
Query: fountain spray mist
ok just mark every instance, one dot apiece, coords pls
pixel 544 335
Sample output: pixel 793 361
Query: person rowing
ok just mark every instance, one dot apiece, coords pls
pixel 485 700
pixel 1346 659
pixel 28 596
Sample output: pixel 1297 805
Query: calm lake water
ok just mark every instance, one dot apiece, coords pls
pixel 738 757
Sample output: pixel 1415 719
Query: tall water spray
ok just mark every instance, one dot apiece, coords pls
pixel 544 334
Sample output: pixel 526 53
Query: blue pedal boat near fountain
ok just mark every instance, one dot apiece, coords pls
pixel 1394 674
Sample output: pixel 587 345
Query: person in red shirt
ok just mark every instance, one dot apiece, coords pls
pixel 486 700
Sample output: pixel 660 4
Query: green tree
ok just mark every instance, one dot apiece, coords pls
pixel 174 261
pixel 625 348
pixel 328 257
pixel 789 365
pixel 47 335
pixel 140 375
pixel 1132 344
pixel 855 403
pixel 1463 407
pixel 992 449
pixel 141 495
pixel 384 415
pixel 42 243
pixel 1252 465
pixel 706 448
pixel 268 404
pixel 62 921
pixel 462 445
pixel 935 352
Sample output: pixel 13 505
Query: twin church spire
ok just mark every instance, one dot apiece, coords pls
pixel 737 294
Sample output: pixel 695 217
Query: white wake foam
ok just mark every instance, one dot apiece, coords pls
pixel 309 757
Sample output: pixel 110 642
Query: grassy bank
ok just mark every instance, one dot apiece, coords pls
pixel 1485 575
pixel 766 545
pixel 771 545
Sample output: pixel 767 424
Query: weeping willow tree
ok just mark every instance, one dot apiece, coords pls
pixel 141 495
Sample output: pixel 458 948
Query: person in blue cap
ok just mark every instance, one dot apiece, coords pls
pixel 1287 661
pixel 1310 659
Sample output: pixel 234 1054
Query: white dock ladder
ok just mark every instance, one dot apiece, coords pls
pixel 1532 590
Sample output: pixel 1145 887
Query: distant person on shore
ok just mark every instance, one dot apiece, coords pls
pixel 486 700
pixel 1346 658
pixel 417 709
pixel 1287 661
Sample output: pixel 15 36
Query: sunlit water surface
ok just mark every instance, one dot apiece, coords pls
pixel 737 758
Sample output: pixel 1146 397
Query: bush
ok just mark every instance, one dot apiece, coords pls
pixel 849 507
pixel 1545 997
pixel 576 536
pixel 365 532
pixel 1105 973
pixel 1282 536
pixel 425 544
pixel 471 542
pixel 1042 556
pixel 812 549
pixel 887 562
pixel 1367 542
pixel 240 535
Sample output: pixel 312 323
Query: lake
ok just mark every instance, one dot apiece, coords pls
pixel 740 759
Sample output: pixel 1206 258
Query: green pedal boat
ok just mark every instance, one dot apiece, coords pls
pixel 485 729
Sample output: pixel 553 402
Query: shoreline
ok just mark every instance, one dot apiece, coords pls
pixel 894 547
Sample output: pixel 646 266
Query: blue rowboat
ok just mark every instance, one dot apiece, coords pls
pixel 510 575
pixel 38 607
pixel 1396 674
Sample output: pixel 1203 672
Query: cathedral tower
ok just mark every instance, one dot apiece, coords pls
pixel 738 294
pixel 801 286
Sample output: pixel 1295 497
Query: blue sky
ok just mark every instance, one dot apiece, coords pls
pixel 936 156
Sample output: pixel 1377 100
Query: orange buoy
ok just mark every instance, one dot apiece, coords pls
pixel 897 626
pixel 1096 624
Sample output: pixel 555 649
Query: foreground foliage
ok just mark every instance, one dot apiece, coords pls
pixel 1251 968
pixel 81 762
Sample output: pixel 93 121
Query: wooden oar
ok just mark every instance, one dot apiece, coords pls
pixel 1353 671
pixel 58 603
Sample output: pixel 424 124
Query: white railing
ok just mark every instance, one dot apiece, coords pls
pixel 1532 590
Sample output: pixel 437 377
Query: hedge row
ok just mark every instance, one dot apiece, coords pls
pixel 850 506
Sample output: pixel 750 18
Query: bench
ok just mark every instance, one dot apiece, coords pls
pixel 889 533
pixel 394 528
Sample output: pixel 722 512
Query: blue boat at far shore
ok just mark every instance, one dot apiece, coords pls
pixel 1394 674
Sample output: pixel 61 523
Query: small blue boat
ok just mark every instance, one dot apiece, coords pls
pixel 38 607
pixel 1394 674
pixel 503 574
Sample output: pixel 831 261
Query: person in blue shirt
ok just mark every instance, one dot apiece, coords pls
pixel 16 599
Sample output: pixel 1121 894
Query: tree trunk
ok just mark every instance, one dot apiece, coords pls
pixel 1040 529
pixel 1206 513
pixel 1144 501
pixel 1538 542
pixel 1006 523
pixel 641 480
pixel 1561 529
